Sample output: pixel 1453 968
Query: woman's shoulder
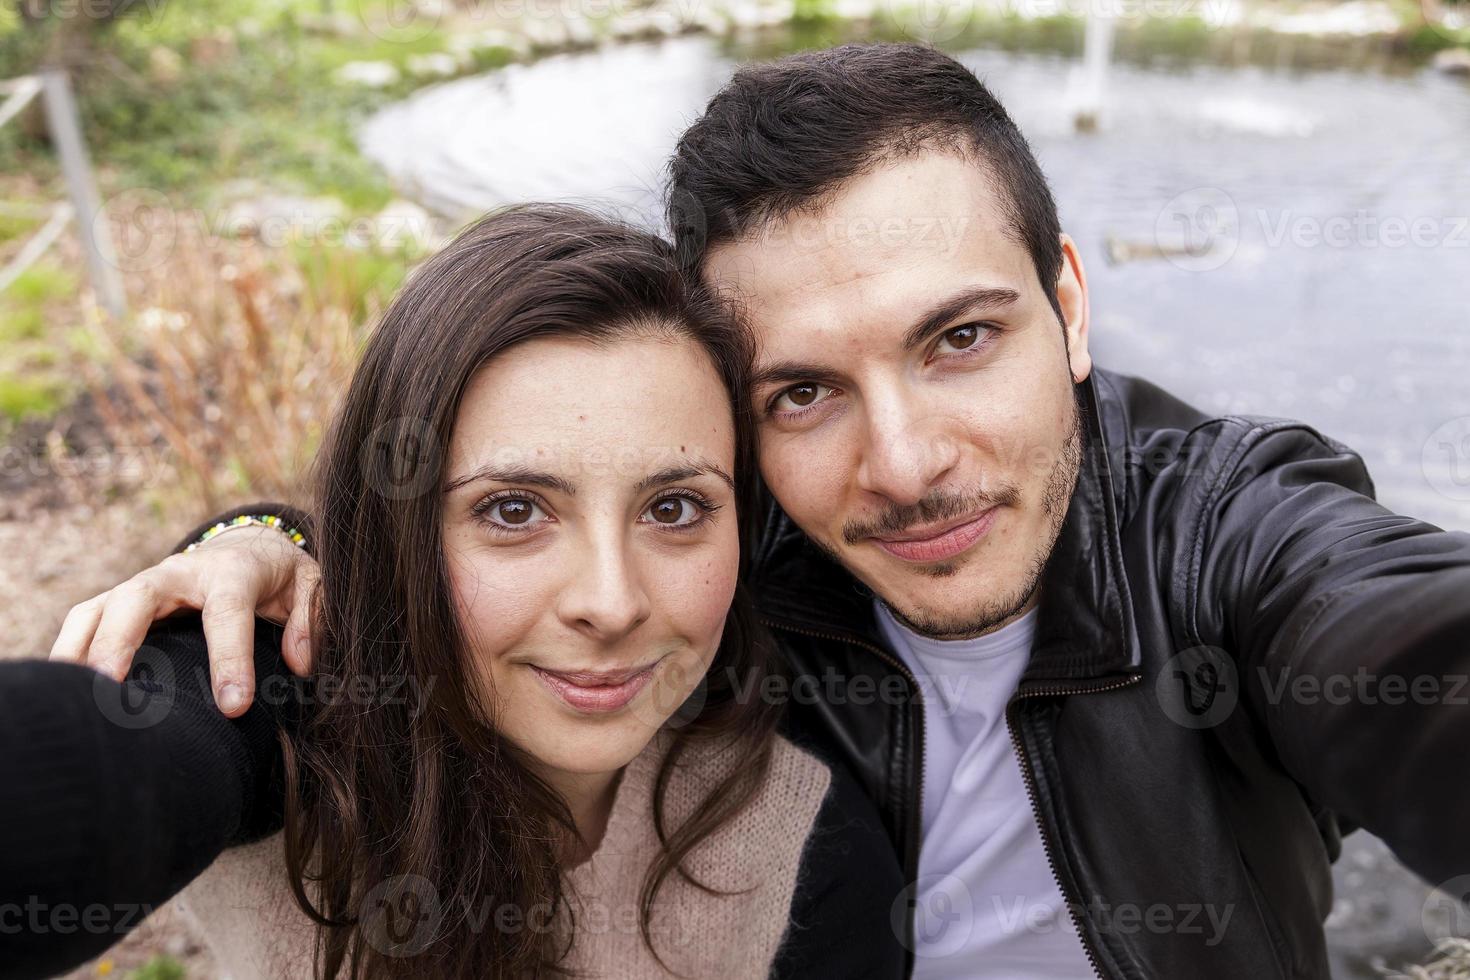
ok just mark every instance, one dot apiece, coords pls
pixel 244 907
pixel 817 829
pixel 768 832
pixel 847 908
pixel 802 796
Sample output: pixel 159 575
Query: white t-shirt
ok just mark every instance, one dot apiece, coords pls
pixel 987 903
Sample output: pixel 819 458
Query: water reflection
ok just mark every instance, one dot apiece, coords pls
pixel 1295 242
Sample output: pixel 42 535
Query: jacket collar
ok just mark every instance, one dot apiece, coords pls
pixel 1086 629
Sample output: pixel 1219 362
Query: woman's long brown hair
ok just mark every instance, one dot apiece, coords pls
pixel 408 812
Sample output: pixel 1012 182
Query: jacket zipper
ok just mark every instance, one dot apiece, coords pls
pixel 1030 779
pixel 916 831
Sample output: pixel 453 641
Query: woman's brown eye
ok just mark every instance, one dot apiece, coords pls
pixel 802 395
pixel 668 510
pixel 514 512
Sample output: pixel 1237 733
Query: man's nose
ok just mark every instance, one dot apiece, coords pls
pixel 905 453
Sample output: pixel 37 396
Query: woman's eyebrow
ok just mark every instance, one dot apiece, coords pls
pixel 514 474
pixel 676 473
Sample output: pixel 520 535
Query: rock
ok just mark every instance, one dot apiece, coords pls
pixel 666 22
pixel 580 32
pixel 438 65
pixel 330 25
pixel 165 65
pixel 1355 18
pixel 403 224
pixel 278 219
pixel 369 74
pixel 547 33
pixel 516 44
pixel 213 48
pixel 1453 61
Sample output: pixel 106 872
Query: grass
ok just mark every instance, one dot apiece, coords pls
pixel 22 397
pixel 32 382
pixel 179 96
pixel 234 365
pixel 159 968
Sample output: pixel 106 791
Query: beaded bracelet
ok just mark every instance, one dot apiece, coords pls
pixel 251 520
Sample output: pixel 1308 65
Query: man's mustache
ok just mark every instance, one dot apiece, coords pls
pixel 937 505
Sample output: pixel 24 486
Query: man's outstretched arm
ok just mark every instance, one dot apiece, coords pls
pixel 113 796
pixel 1351 625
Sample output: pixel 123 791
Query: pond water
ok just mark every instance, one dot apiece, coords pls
pixel 1334 201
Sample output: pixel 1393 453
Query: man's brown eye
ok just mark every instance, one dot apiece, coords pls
pixel 961 337
pixel 514 512
pixel 802 395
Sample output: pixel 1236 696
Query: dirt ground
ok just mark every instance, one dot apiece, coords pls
pixel 69 530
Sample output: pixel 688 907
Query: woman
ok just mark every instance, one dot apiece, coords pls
pixel 536 743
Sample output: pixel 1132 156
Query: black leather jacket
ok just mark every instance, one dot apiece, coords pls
pixel 1240 656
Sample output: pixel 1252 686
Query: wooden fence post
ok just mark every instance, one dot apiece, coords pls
pixel 92 225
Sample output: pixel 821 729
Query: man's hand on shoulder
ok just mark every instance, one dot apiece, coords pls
pixel 229 579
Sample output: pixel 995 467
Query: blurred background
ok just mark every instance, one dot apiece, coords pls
pixel 203 205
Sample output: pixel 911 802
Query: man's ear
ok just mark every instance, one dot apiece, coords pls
pixel 1072 297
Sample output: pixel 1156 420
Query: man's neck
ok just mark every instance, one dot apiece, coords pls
pixel 993 627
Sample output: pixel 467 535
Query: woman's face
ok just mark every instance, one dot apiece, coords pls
pixel 590 530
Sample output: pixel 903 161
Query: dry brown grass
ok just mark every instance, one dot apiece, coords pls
pixel 216 392
pixel 1450 962
pixel 234 362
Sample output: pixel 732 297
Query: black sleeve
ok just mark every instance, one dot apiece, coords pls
pixel 1351 625
pixel 850 879
pixel 114 796
pixel 293 516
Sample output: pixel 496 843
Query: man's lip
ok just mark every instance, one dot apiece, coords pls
pixel 596 691
pixel 938 542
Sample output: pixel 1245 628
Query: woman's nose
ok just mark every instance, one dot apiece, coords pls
pixel 604 597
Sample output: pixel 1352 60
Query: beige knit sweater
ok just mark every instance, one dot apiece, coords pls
pixel 245 909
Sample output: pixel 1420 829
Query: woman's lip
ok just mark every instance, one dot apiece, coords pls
pixel 598 698
pixel 945 544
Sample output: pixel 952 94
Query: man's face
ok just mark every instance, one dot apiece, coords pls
pixel 914 389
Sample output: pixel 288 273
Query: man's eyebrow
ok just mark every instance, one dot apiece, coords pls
pixel 685 471
pixel 513 474
pixel 989 297
pixel 792 372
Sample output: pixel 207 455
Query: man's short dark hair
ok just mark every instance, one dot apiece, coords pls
pixel 783 135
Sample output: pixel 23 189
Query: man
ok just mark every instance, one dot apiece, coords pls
pixel 1075 637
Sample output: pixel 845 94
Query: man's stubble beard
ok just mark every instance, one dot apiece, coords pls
pixel 1056 497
